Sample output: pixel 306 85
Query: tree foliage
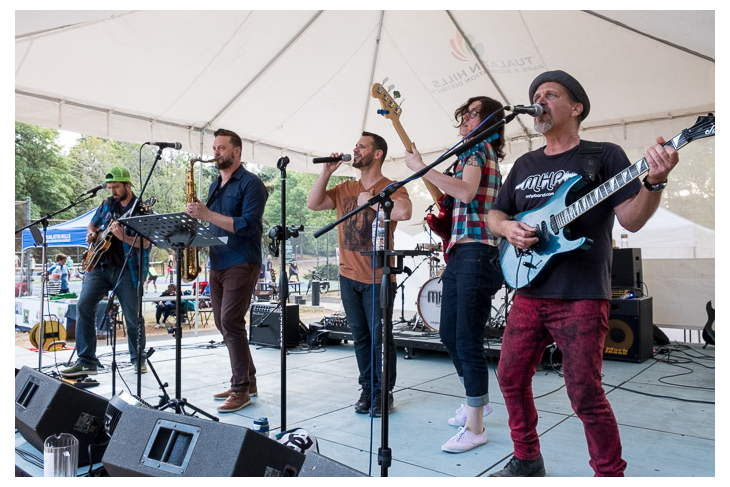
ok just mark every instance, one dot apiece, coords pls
pixel 53 180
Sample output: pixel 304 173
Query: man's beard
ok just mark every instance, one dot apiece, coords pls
pixel 121 196
pixel 542 127
pixel 221 164
pixel 364 161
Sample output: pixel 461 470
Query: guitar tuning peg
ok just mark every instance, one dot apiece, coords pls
pixel 402 101
pixel 385 80
pixel 390 88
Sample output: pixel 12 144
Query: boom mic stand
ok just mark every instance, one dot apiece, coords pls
pixel 41 239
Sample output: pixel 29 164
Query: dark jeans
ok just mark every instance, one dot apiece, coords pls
pixel 364 317
pixel 579 329
pixel 97 284
pixel 230 295
pixel 471 277
pixel 164 310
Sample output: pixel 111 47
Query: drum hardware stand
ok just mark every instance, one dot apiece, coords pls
pixel 386 303
pixel 177 231
pixel 401 286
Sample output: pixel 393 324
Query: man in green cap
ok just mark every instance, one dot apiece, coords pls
pixel 569 305
pixel 105 274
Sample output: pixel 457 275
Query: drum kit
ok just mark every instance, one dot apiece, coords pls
pixel 428 303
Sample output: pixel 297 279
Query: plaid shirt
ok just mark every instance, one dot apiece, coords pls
pixel 469 220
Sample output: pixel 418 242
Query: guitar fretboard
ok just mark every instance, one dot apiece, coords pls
pixel 605 190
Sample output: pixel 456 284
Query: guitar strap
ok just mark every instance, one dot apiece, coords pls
pixel 590 160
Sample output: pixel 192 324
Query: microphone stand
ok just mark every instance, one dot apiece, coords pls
pixel 280 234
pixel 44 249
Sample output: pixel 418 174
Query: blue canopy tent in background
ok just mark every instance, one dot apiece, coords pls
pixel 67 234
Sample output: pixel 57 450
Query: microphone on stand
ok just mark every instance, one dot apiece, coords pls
pixel 533 110
pixel 343 157
pixel 94 190
pixel 165 145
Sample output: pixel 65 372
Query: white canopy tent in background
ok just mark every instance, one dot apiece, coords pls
pixel 297 83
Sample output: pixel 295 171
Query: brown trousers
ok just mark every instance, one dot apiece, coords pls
pixel 230 294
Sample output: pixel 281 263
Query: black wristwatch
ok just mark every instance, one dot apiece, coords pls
pixel 654 188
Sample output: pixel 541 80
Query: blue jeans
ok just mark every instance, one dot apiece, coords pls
pixel 471 277
pixel 96 286
pixel 364 317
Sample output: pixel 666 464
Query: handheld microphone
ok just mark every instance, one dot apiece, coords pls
pixel 533 110
pixel 94 190
pixel 343 157
pixel 165 145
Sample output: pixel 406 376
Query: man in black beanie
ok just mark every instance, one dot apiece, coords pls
pixel 569 304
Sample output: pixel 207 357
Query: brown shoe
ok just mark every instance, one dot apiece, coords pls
pixel 222 395
pixel 252 391
pixel 235 402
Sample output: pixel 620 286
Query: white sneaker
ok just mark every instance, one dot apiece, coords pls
pixel 464 440
pixel 460 418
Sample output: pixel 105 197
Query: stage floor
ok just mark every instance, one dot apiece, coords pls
pixel 664 406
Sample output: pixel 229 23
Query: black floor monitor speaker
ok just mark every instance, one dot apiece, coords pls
pixel 630 334
pixel 265 323
pixel 45 406
pixel 316 465
pixel 626 271
pixel 151 443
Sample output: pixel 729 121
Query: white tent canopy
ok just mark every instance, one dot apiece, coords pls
pixel 297 83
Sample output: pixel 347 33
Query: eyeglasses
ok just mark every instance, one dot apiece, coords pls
pixel 469 115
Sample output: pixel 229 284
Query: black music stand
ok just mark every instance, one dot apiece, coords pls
pixel 177 231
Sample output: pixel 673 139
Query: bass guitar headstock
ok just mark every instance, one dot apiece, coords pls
pixel 390 109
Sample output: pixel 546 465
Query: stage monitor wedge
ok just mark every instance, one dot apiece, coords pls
pixel 45 406
pixel 151 443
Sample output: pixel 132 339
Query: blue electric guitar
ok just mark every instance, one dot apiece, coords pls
pixel 522 266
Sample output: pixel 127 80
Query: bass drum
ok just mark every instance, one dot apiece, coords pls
pixel 429 303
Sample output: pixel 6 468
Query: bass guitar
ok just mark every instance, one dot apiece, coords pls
pixel 103 241
pixel 522 266
pixel 440 224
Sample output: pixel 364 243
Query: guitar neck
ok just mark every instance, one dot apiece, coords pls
pixel 432 189
pixel 610 187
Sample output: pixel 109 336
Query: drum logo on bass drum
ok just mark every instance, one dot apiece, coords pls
pixel 434 297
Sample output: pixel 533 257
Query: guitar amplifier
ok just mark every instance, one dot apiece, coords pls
pixel 630 335
pixel 336 323
pixel 265 325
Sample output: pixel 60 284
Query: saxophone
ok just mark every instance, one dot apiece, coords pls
pixel 191 261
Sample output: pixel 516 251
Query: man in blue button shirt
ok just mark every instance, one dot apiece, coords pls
pixel 234 210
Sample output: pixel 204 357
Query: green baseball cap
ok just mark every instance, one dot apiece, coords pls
pixel 117 174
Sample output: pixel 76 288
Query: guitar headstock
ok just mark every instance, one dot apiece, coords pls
pixel 703 127
pixel 389 107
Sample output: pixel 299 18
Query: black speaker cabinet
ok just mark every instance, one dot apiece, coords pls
pixel 265 323
pixel 151 443
pixel 45 406
pixel 316 465
pixel 626 271
pixel 630 334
